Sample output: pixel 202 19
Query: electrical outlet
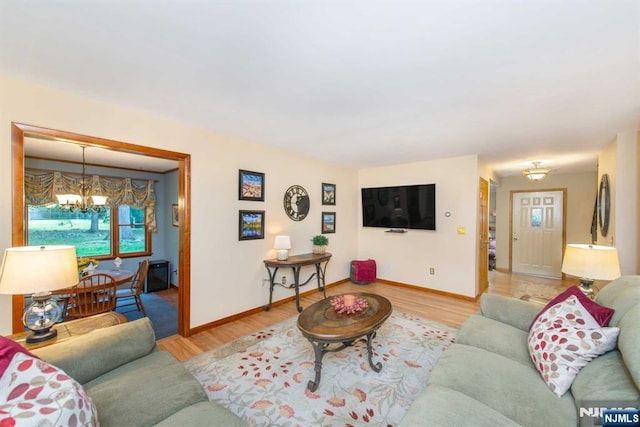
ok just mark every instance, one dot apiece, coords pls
pixel 432 271
pixel 284 280
pixel 265 282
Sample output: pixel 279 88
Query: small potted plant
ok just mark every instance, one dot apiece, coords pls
pixel 320 243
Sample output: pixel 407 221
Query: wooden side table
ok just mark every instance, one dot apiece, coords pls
pixel 72 328
pixel 295 262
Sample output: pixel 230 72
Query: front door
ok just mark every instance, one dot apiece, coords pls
pixel 537 232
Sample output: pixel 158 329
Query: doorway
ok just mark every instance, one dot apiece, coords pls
pixel 20 131
pixel 538 221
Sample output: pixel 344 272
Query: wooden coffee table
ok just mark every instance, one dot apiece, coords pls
pixel 322 326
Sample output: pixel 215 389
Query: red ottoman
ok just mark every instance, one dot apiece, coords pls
pixel 363 272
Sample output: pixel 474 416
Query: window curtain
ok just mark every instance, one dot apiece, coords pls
pixel 41 188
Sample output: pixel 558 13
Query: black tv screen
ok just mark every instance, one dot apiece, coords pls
pixel 407 206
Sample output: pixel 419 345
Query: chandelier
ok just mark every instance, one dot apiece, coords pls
pixel 536 173
pixel 82 202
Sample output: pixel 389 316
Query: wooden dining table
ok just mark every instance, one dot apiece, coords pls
pixel 119 276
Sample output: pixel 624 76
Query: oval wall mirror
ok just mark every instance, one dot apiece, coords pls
pixel 604 205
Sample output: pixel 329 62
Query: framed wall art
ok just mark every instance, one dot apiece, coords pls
pixel 328 222
pixel 328 194
pixel 251 225
pixel 175 216
pixel 250 185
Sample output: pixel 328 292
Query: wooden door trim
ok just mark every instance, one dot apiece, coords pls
pixel 564 219
pixel 19 131
pixel 480 264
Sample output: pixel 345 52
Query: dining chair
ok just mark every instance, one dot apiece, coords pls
pixel 131 295
pixel 62 297
pixel 94 294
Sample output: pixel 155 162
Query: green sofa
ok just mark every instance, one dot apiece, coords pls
pixel 487 377
pixel 132 383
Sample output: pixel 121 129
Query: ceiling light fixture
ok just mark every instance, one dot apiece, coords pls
pixel 82 202
pixel 536 173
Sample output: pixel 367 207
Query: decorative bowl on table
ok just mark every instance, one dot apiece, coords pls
pixel 348 304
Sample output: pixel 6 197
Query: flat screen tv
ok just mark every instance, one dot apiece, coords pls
pixel 400 207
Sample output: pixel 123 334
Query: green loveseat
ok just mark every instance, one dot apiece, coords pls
pixel 487 377
pixel 132 383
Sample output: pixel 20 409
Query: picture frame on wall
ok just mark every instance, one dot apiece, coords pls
pixel 328 194
pixel 175 216
pixel 250 225
pixel 328 222
pixel 250 185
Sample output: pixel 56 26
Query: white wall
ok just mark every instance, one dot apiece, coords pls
pixel 407 258
pixel 226 274
pixel 581 197
pixel 620 161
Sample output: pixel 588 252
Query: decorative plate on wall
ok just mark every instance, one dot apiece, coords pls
pixel 296 202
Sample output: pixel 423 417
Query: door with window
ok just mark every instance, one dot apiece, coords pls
pixel 537 232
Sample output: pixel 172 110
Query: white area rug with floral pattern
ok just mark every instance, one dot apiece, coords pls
pixel 263 377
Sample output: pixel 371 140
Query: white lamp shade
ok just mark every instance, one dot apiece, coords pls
pixel 282 242
pixel 31 269
pixel 591 262
pixel 99 200
pixel 69 199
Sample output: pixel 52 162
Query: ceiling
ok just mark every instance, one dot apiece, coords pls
pixel 361 83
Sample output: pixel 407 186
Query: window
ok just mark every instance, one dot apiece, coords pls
pixel 116 232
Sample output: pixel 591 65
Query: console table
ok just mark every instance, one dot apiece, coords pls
pixel 296 262
pixel 72 328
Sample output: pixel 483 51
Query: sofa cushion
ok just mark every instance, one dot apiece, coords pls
pixel 88 356
pixel 564 339
pixel 512 311
pixel 599 312
pixel 204 414
pixel 604 378
pixel 506 386
pixel 494 336
pixel 33 392
pixel 441 406
pixel 629 342
pixel 144 391
pixel 622 294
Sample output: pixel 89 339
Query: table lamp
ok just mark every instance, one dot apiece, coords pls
pixel 38 270
pixel 589 263
pixel 282 245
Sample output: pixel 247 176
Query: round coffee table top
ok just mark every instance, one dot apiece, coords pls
pixel 321 322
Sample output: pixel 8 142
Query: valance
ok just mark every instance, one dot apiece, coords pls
pixel 41 187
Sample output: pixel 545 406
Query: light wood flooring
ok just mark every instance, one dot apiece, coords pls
pixel 431 305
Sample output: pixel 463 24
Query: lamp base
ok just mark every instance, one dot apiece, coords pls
pixel 282 254
pixel 586 286
pixel 42 335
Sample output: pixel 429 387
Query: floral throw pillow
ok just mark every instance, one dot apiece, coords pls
pixel 33 392
pixel 564 339
pixel 8 349
pixel 599 312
